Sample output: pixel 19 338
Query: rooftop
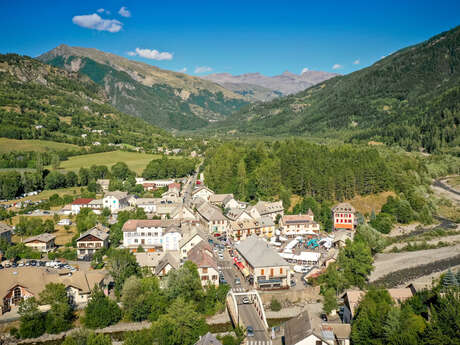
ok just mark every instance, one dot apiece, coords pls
pixel 343 207
pixel 258 254
pixel 5 228
pixel 102 235
pixel 45 237
pixel 82 201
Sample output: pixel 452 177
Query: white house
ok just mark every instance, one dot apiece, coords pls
pixel 171 238
pixel 212 216
pixel 42 243
pixel 299 331
pixel 116 200
pixel 80 203
pixel 189 241
pixel 150 234
pixel 202 192
pixel 148 204
pixel 65 221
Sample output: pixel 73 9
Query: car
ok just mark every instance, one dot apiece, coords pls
pixel 222 280
pixel 7 265
pixel 323 317
pixel 33 263
pixel 21 264
pixel 42 263
pixel 246 300
pixel 292 283
pixel 249 331
pixel 301 269
pixel 237 281
pixel 221 256
pixel 1 266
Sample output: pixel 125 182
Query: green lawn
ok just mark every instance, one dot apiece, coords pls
pixel 8 145
pixel 135 161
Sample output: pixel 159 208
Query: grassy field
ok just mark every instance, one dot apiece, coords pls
pixel 47 193
pixel 8 145
pixel 136 161
pixel 365 204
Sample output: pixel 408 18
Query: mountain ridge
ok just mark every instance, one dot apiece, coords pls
pixel 171 100
pixel 410 98
pixel 283 84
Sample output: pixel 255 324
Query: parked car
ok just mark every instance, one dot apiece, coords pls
pixel 249 331
pixel 246 300
pixel 237 281
pixel 221 256
pixel 301 269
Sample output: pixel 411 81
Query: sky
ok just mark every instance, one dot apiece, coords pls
pixel 202 37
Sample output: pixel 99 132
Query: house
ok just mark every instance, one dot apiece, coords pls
pixel 162 183
pixel 183 212
pixel 344 216
pixel 208 339
pixel 171 238
pixel 341 236
pixel 267 269
pixel 338 333
pixel 104 183
pixel 147 204
pixel 42 243
pixel 265 208
pixel 80 203
pixel 238 214
pixel 115 201
pixel 202 192
pixel 298 225
pixel 219 199
pixel 172 196
pixel 245 228
pixel 229 202
pixel 174 187
pixel 149 233
pixel 212 216
pixel 201 255
pixel 299 331
pixel 24 282
pixel 90 241
pixel 167 263
pixel 5 232
pixel 65 222
pixel 148 259
pixel 189 241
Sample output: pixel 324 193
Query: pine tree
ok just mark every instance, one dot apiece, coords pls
pixel 449 279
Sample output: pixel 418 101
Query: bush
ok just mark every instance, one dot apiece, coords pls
pixel 275 305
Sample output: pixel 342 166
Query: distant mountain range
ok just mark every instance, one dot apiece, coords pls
pixel 262 88
pixel 411 98
pixel 168 99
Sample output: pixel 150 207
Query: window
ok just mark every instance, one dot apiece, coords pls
pixel 272 271
pixel 281 271
pixel 262 272
pixel 205 270
pixel 214 277
pixel 204 277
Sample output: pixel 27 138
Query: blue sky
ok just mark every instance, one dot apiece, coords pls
pixel 228 36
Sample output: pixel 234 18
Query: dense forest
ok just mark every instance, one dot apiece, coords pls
pixel 410 98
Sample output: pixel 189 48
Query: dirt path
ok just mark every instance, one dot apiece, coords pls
pixel 442 188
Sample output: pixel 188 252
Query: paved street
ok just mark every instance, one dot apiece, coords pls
pixel 248 312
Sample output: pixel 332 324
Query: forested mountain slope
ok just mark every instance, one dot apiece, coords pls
pixel 38 101
pixel 167 99
pixel 411 98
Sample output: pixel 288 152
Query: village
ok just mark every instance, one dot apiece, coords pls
pixel 257 250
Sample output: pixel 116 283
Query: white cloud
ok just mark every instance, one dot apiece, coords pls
pixel 151 54
pixel 337 66
pixel 203 69
pixel 103 10
pixel 356 62
pixel 183 70
pixel 94 21
pixel 124 12
pixel 304 70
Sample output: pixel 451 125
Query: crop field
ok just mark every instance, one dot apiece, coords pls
pixel 8 145
pixel 136 161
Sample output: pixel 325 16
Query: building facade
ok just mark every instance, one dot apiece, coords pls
pixel 344 216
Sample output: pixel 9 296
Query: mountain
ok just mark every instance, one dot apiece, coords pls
pixel 38 101
pixel 263 88
pixel 168 99
pixel 411 98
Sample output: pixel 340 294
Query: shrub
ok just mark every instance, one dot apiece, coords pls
pixel 275 305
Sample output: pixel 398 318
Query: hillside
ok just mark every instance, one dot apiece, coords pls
pixel 38 101
pixel 168 99
pixel 411 98
pixel 263 88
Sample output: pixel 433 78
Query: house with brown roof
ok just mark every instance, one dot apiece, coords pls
pixel 299 331
pixel 42 243
pixel 168 262
pixel 183 212
pixel 298 225
pixel 213 218
pixel 202 256
pixel 219 199
pixel 91 241
pixel 189 241
pixel 242 229
pixel 266 208
pixel 237 214
pixel 24 282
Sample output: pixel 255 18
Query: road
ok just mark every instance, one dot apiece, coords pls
pixel 188 189
pixel 248 313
